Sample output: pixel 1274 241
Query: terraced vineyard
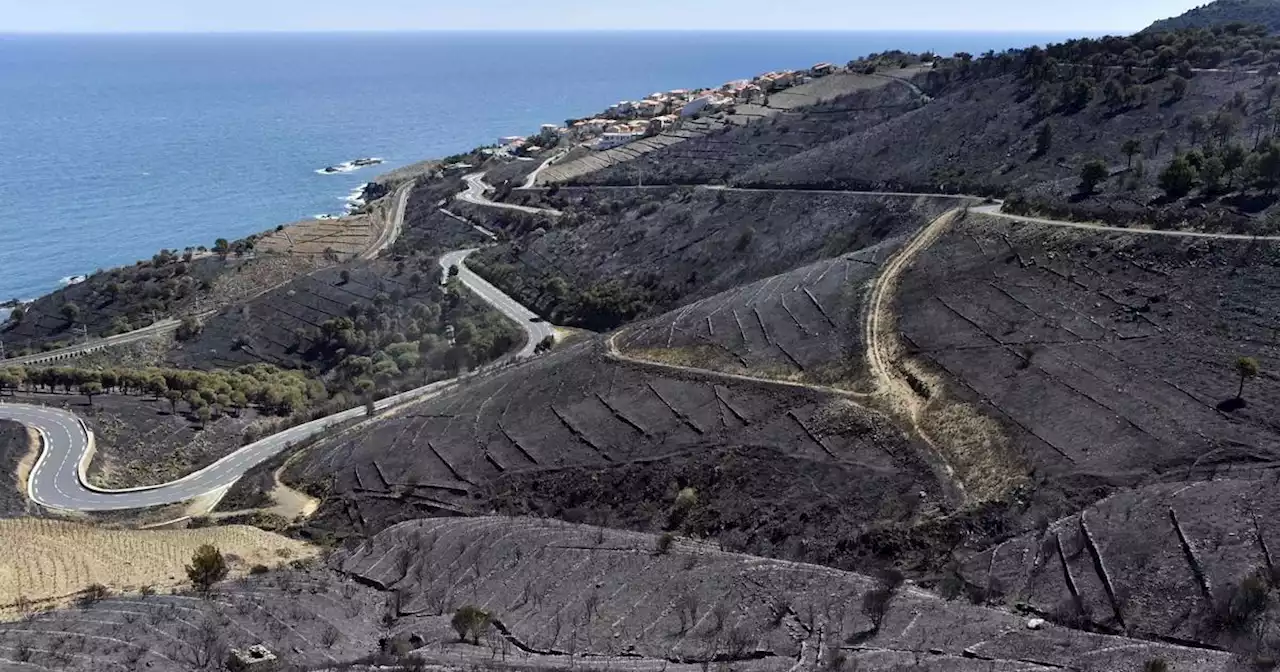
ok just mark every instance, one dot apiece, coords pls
pixel 58 559
pixel 340 238
pixel 1108 356
pixel 311 618
pixel 576 409
pixel 631 601
pixel 806 325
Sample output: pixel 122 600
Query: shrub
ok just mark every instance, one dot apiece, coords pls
pixel 259 569
pixel 663 545
pixel 1155 665
pixel 471 620
pixel 93 594
pixel 1245 602
pixel 207 567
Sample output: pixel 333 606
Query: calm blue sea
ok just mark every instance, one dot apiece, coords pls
pixel 112 147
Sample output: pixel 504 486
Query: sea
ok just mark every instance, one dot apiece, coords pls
pixel 113 147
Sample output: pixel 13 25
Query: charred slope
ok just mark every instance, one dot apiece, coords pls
pixel 624 253
pixel 733 149
pixel 1191 562
pixel 519 437
pixel 1265 13
pixel 1108 358
pixel 634 601
pixel 980 134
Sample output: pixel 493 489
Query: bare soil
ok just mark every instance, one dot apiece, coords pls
pixel 60 559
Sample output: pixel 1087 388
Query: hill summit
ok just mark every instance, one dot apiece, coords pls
pixel 1262 12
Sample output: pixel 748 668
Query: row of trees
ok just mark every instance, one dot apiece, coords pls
pixel 273 390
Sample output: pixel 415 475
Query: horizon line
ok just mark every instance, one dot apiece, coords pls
pixel 437 31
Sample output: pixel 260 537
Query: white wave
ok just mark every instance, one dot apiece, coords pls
pixel 347 167
pixel 355 199
pixel 350 166
pixel 72 280
pixel 327 216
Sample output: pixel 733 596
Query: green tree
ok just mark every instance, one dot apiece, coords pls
pixel 1178 85
pixel 207 568
pixel 1092 174
pixel 221 248
pixel 1178 178
pixel 173 397
pixel 345 276
pixel 1131 148
pixel 1211 174
pixel 90 390
pixel 1248 369
pixel 204 414
pixel 471 621
pixel 454 271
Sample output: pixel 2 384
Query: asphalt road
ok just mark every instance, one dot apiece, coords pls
pixel 159 328
pixel 477 194
pixel 536 330
pixel 56 481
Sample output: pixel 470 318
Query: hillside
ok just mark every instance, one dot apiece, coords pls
pixel 817 402
pixel 1264 13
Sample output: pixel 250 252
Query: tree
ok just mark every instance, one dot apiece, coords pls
pixel 1092 174
pixel 189 329
pixel 1248 369
pixel 454 271
pixel 221 248
pixel 1178 178
pixel 207 568
pixel 173 397
pixel 473 621
pixel 1178 85
pixel 415 281
pixel 204 414
pixel 1131 148
pixel 1044 139
pixel 90 389
pixel 345 276
pixel 71 311
pixel 1211 174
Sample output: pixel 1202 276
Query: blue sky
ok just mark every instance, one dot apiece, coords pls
pixel 324 15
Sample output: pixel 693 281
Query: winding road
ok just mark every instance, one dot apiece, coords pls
pixel 477 194
pixel 57 480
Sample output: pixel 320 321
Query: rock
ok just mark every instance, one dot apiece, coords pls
pixel 1035 624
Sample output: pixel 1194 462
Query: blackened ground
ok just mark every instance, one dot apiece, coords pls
pixel 577 412
pixel 624 253
pixel 14 446
pixel 759 501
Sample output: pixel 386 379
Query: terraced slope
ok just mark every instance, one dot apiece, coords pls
pixel 1110 355
pixel 1168 560
pixel 616 598
pixel 506 439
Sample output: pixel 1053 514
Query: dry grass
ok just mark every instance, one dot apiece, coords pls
pixel 58 559
pixel 345 237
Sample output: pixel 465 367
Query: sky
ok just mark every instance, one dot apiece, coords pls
pixel 124 16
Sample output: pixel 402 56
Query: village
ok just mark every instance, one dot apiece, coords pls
pixel 628 120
